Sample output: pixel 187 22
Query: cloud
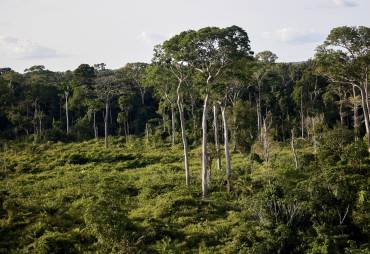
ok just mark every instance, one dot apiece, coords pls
pixel 152 38
pixel 344 3
pixel 24 49
pixel 294 36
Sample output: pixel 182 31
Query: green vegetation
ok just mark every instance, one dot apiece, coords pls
pixel 132 198
pixel 289 173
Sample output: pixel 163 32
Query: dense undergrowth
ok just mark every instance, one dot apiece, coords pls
pixel 132 198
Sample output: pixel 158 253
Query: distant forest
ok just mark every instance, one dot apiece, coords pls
pixel 307 97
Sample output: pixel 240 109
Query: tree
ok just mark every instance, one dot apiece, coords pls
pixel 41 94
pixel 135 74
pixel 228 89
pixel 170 56
pixel 66 86
pixel 209 51
pixel 344 58
pixel 106 87
pixel 262 69
pixel 84 75
pixel 82 85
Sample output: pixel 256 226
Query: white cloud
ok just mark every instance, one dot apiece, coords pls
pixel 152 38
pixel 24 49
pixel 344 3
pixel 292 35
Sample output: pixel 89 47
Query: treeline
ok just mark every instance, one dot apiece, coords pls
pixel 71 105
pixel 47 105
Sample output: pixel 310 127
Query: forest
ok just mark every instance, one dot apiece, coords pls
pixel 210 148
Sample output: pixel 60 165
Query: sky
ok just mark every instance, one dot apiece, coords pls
pixel 62 34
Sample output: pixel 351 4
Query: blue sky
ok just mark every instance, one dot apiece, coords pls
pixel 62 34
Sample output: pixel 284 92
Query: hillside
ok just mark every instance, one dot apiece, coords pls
pixel 132 198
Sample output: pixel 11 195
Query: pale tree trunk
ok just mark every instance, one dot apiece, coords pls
pixel 259 119
pixel 355 113
pixel 184 140
pixel 147 131
pixel 204 146
pixel 341 113
pixel 142 93
pixel 366 113
pixel 294 151
pixel 259 111
pixel 314 136
pixel 226 146
pixel 66 94
pixel 106 123
pixel 40 123
pixel 342 97
pixel 217 143
pixel 173 124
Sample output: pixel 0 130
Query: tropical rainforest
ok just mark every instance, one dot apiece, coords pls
pixel 210 148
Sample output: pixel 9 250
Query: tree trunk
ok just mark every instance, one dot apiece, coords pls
pixel 204 146
pixel 142 93
pixel 341 113
pixel 226 146
pixel 106 123
pixel 40 124
pixel 259 121
pixel 217 143
pixel 173 124
pixel 147 132
pixel 355 113
pixel 184 140
pixel 366 113
pixel 266 148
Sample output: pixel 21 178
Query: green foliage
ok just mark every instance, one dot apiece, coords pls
pixel 60 196
pixel 132 198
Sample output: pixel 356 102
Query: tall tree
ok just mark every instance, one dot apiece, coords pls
pixel 170 56
pixel 41 90
pixel 344 58
pixel 106 87
pixel 82 83
pixel 66 86
pixel 209 51
pixel 262 69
